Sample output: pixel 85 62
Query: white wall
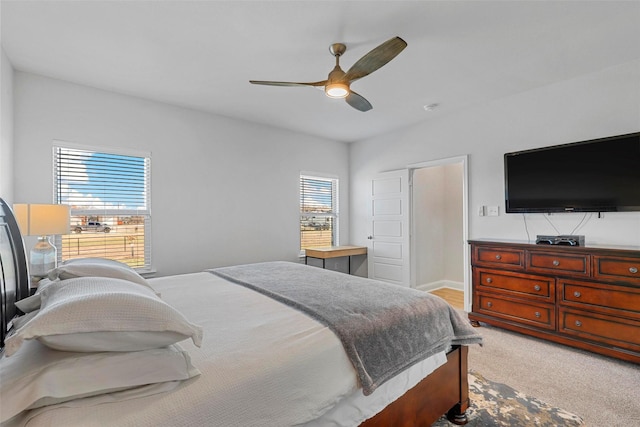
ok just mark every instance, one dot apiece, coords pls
pixel 453 245
pixel 438 226
pixel 223 191
pixel 6 128
pixel 591 106
pixel 428 216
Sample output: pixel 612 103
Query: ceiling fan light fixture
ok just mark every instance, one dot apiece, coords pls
pixel 336 90
pixel 337 84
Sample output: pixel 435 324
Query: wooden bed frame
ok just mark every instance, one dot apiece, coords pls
pixel 14 274
pixel 445 391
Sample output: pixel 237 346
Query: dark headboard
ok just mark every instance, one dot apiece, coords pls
pixel 14 275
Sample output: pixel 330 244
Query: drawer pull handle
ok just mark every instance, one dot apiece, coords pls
pixel 498 257
pixel 537 313
pixel 556 262
pixel 489 304
pixel 633 270
pixel 578 323
pixel 537 287
pixel 489 280
pixel 577 294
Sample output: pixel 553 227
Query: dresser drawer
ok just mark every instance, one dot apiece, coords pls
pixel 498 257
pixel 616 269
pixel 609 299
pixel 575 265
pixel 515 284
pixel 530 313
pixel 616 332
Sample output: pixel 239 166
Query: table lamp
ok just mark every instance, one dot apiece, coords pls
pixel 42 221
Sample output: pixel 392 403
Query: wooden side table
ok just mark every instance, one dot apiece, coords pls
pixel 334 252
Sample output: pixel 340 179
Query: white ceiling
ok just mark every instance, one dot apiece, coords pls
pixel 202 54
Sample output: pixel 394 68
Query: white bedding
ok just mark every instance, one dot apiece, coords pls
pixel 262 363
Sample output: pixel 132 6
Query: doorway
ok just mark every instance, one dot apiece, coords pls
pixel 419 226
pixel 439 250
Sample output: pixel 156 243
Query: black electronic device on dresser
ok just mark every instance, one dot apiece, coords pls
pixel 563 240
pixel 585 297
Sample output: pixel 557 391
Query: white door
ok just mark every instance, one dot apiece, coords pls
pixel 388 247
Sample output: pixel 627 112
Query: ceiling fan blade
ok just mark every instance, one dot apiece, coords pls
pixel 376 58
pixel 358 102
pixel 270 83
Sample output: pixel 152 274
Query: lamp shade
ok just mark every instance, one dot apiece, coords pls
pixel 42 220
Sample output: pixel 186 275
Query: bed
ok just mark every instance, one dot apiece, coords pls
pixel 245 357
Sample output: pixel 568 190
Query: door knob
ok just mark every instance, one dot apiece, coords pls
pixel 370 237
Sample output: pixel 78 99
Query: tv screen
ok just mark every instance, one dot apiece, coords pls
pixel 599 175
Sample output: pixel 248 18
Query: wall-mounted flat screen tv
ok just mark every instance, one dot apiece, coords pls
pixel 600 175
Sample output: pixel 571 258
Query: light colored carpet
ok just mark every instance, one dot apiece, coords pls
pixel 602 390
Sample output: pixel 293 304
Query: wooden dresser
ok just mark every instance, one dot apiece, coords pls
pixel 585 297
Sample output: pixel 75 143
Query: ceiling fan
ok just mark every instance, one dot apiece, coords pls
pixel 338 83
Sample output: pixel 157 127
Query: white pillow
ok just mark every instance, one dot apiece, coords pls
pixel 96 260
pixel 19 322
pixel 42 283
pixel 103 314
pixel 40 376
pixel 29 304
pixel 97 267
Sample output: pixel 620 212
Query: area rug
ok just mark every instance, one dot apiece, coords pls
pixel 495 404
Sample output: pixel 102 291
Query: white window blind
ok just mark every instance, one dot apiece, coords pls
pixel 318 212
pixel 109 195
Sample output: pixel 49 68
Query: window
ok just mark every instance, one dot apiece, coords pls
pixel 109 195
pixel 318 212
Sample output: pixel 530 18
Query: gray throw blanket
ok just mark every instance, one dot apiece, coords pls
pixel 384 328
